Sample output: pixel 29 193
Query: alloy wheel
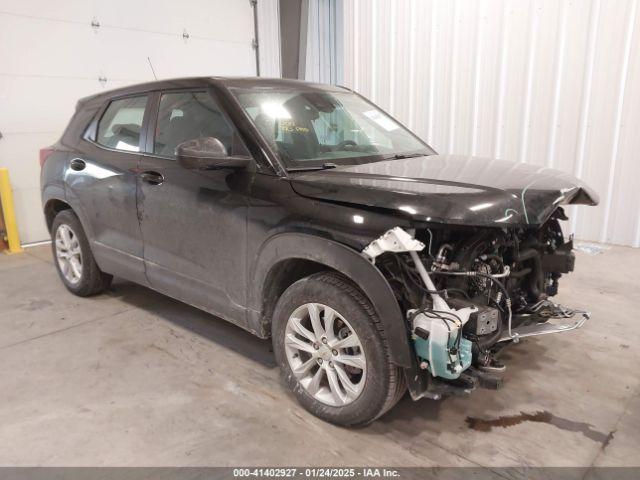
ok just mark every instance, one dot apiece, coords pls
pixel 325 354
pixel 68 254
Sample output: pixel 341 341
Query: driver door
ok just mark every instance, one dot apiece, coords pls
pixel 194 223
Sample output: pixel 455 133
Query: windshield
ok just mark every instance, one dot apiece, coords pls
pixel 315 128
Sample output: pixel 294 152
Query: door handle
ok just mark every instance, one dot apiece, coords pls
pixel 77 164
pixel 152 178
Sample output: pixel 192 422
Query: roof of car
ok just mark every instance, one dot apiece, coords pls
pixel 231 82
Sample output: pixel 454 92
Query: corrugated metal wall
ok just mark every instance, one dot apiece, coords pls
pixel 555 83
pixel 324 61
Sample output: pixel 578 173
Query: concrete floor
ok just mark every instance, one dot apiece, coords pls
pixel 133 378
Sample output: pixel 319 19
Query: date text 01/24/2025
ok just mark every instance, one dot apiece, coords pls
pixel 316 472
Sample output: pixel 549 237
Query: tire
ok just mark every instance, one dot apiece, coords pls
pixel 384 382
pixel 91 280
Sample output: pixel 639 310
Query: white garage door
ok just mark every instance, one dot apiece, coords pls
pixel 51 55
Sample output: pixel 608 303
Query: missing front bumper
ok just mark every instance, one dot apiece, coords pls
pixel 547 318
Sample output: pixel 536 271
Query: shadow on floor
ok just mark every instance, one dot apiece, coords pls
pixel 410 417
pixel 197 321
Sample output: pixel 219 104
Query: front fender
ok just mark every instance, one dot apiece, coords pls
pixel 350 263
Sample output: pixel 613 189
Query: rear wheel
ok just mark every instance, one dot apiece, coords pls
pixel 73 258
pixel 332 351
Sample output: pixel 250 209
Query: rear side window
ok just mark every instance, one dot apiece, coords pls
pixel 121 124
pixel 186 116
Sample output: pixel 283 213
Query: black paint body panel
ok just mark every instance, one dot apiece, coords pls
pixel 451 189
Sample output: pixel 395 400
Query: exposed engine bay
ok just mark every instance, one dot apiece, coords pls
pixel 468 291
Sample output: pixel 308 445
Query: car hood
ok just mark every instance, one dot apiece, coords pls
pixel 450 189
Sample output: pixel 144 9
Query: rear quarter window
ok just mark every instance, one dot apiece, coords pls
pixel 121 124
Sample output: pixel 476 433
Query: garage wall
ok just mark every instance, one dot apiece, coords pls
pixel 555 83
pixel 51 55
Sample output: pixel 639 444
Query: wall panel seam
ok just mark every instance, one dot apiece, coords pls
pixel 559 72
pixel 586 96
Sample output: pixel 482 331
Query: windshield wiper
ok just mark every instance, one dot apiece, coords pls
pixel 400 156
pixel 324 166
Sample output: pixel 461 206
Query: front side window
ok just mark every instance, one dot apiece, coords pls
pixel 121 124
pixel 315 127
pixel 186 116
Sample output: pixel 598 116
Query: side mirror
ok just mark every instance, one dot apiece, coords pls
pixel 207 153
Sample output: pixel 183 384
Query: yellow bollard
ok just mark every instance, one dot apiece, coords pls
pixel 6 200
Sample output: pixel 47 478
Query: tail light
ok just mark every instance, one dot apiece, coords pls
pixel 44 154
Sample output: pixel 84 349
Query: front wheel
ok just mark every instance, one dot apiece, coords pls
pixel 332 351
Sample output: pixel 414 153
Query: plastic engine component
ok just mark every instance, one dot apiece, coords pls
pixel 484 321
pixel 437 333
pixel 437 345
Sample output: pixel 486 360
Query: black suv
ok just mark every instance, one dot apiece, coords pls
pixel 306 214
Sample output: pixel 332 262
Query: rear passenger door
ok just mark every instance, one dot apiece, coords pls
pixel 102 180
pixel 194 222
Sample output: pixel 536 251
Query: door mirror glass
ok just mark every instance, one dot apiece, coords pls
pixel 207 153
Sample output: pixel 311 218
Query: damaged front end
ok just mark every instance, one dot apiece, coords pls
pixel 469 291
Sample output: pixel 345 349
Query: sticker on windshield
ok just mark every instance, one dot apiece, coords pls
pixel 290 127
pixel 382 120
